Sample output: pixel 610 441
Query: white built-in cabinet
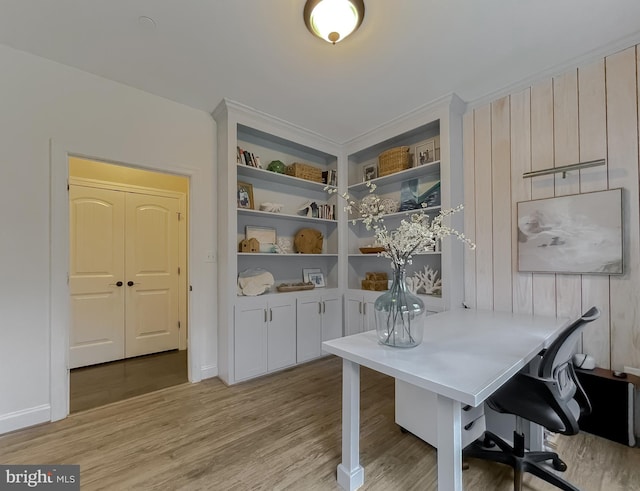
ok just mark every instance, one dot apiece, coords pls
pixel 319 319
pixel 258 335
pixel 264 336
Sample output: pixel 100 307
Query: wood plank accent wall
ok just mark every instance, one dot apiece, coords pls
pixel 584 114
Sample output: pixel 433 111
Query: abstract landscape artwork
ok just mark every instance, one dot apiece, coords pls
pixel 577 234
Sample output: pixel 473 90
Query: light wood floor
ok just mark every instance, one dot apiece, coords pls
pixel 98 385
pixel 277 432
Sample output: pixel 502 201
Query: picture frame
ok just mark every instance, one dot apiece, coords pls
pixel 573 234
pixel 265 236
pixel 425 153
pixel 369 172
pixel 317 279
pixel 307 271
pixel 245 196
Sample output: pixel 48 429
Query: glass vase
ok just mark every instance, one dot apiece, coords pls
pixel 399 314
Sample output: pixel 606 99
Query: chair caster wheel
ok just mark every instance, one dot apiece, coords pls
pixel 559 465
pixel 488 442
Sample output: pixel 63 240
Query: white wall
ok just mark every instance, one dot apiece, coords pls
pixel 42 101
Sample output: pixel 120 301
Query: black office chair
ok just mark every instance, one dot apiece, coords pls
pixel 552 398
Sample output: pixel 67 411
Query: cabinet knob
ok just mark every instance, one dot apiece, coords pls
pixel 130 283
pixel 118 283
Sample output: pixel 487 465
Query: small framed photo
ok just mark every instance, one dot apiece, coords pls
pixel 425 152
pixel 245 195
pixel 317 279
pixel 369 172
pixel 309 271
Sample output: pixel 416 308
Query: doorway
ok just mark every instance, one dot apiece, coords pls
pixel 127 281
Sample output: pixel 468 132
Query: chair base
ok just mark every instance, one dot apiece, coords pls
pixel 521 460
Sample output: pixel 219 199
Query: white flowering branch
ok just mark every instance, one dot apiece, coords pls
pixel 414 235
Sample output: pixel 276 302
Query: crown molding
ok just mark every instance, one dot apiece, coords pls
pixel 590 57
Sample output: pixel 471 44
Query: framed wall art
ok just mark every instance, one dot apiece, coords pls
pixel 575 234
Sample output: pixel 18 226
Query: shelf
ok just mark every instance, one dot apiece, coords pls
pixel 359 254
pixel 429 209
pixel 414 172
pixel 275 254
pixel 268 176
pixel 300 218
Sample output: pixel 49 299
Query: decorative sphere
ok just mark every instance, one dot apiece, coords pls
pixel 276 166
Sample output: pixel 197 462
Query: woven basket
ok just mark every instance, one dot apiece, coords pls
pixel 393 160
pixel 304 171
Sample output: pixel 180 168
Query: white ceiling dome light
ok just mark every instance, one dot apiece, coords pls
pixel 333 20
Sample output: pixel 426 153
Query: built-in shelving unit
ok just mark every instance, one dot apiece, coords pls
pixel 441 123
pixel 261 334
pixel 272 331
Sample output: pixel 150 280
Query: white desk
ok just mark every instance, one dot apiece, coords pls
pixel 465 356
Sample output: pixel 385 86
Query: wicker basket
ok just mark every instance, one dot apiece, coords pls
pixel 304 171
pixel 393 160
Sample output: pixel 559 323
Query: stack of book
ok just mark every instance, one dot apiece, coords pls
pixel 247 158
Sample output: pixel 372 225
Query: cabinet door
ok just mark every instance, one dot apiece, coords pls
pixel 331 318
pixel 281 335
pixel 353 315
pixel 250 341
pixel 309 329
pixel 368 315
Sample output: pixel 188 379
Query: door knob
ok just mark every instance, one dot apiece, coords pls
pixel 130 283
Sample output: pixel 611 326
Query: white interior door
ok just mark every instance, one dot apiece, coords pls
pixel 151 283
pixel 96 266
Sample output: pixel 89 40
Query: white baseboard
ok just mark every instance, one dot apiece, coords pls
pixel 209 371
pixel 26 417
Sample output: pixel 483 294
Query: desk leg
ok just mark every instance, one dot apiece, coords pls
pixel 449 445
pixel 350 472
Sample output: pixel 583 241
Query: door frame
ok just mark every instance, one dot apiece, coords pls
pixel 183 260
pixel 59 294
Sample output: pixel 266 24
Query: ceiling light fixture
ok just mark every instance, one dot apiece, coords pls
pixel 333 20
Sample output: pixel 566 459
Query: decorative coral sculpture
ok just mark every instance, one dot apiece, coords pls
pixel 427 282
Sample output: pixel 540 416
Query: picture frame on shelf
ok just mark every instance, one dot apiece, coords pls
pixel 369 172
pixel 317 279
pixel 265 236
pixel 425 153
pixel 245 196
pixel 309 271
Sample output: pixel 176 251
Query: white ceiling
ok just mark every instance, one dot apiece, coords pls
pixel 258 52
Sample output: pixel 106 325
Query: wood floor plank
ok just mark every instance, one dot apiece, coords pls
pixel 280 432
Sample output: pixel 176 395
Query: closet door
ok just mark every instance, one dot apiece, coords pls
pixel 151 282
pixel 96 226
